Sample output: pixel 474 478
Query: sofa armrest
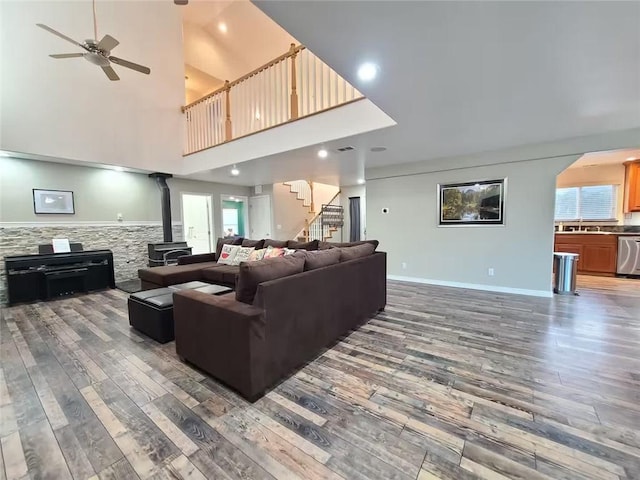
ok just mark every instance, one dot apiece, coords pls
pixel 223 337
pixel 201 257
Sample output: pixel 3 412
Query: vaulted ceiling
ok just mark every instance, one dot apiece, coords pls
pixel 468 77
pixel 248 40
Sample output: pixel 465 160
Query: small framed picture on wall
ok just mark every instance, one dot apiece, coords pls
pixel 53 202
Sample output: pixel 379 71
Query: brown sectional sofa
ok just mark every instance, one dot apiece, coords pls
pixel 284 312
pixel 203 267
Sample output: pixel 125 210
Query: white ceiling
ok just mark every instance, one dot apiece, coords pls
pixel 251 40
pixel 614 157
pixel 468 77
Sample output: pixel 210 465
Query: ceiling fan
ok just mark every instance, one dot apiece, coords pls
pixel 98 53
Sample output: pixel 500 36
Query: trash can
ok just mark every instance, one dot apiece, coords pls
pixel 565 266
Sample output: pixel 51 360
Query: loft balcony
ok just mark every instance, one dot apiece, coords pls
pixel 291 87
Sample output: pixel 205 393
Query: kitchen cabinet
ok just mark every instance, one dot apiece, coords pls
pixel 598 252
pixel 632 186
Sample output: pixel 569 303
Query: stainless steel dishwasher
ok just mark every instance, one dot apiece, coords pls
pixel 628 255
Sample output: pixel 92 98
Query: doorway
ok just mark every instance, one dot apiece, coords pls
pixel 197 221
pixel 235 216
pixel 260 216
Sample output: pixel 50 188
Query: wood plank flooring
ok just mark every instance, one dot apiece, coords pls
pixel 446 383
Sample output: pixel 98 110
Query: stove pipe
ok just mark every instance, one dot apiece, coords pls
pixel 165 198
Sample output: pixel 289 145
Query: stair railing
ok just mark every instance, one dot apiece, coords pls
pixel 292 86
pixel 318 228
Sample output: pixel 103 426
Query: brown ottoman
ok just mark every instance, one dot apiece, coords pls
pixel 151 311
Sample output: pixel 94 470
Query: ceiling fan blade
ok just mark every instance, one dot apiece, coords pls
pixel 181 2
pixel 111 73
pixel 131 65
pixel 51 30
pixel 108 43
pixel 66 55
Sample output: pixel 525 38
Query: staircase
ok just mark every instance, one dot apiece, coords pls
pixel 304 191
pixel 322 227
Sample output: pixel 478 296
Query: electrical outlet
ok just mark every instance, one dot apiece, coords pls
pixel 491 272
pixel 404 265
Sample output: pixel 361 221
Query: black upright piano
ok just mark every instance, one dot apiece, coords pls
pixel 42 277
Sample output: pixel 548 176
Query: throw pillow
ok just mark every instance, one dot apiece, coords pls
pixel 321 258
pixel 242 255
pixel 257 244
pixel 275 243
pixel 273 252
pixel 227 241
pixel 251 274
pixel 351 253
pixel 289 251
pixel 228 253
pixel 257 255
pixel 312 245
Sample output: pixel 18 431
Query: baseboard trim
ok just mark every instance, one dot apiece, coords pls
pixel 474 286
pixel 114 223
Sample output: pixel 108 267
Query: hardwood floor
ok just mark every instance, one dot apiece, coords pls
pixel 446 383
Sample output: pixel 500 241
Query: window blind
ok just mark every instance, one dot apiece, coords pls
pixel 597 202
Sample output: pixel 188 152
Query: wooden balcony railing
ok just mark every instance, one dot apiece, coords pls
pixel 292 86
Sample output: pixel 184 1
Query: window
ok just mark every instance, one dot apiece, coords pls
pixel 590 203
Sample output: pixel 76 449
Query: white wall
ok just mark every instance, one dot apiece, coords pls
pixel 99 194
pixel 68 108
pixel 519 252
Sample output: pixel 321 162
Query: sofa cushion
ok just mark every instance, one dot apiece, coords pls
pixel 221 274
pixel 327 245
pixel 254 273
pixel 312 245
pixel 321 258
pixel 257 244
pixel 197 258
pixel 227 241
pixel 173 274
pixel 351 253
pixel 275 243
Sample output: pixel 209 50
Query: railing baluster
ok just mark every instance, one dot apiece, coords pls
pixel 294 92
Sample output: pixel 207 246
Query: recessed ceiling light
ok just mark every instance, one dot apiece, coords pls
pixel 323 153
pixel 631 159
pixel 222 27
pixel 378 149
pixel 367 71
pixel 360 181
pixel 234 171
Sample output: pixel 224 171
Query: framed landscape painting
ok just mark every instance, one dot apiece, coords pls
pixel 471 203
pixel 53 201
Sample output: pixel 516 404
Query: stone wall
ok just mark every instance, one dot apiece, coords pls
pixel 127 242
